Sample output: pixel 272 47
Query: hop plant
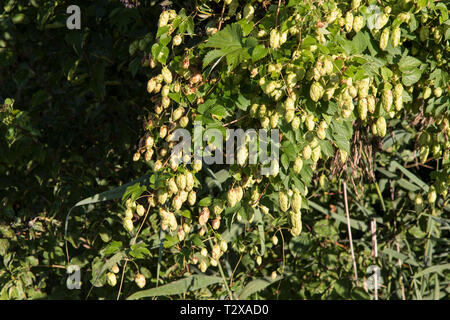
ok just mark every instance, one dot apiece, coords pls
pixel 298 80
pixel 204 216
pixel 358 23
pixel 274 39
pixel 316 91
pixel 296 221
pixel 111 279
pixel 192 198
pixel 432 195
pixel 387 99
pixel 140 210
pixel 348 21
pixel 296 202
pixel 384 39
pixel 177 40
pixel 167 75
pixel 381 126
pixel 128 225
pixel 395 37
pixel 362 108
pixel 307 152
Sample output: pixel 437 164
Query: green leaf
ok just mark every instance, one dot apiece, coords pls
pixel 395 165
pixel 360 42
pixel 165 40
pixel 219 111
pixel 285 161
pixel 433 269
pixel 206 105
pixel 444 12
pixel 247 26
pixel 134 66
pixel 156 48
pixel 111 248
pixel 356 224
pixel 399 256
pixel 106 266
pixel 422 3
pixel 235 230
pixel 188 284
pixel 242 102
pixel 413 23
pixel 170 241
pixel 211 56
pixel 411 77
pixel 262 239
pixel 139 251
pixel 326 148
pixel 229 42
pixel 407 63
pixel 205 202
pixel 386 73
pixel 229 38
pixel 359 294
pixel 324 228
pixel 162 30
pixel 163 55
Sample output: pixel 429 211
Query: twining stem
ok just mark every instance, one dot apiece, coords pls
pixel 221 16
pixel 235 268
pixel 49 266
pixel 278 11
pixel 230 294
pixel 350 233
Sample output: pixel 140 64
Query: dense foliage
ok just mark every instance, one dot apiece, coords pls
pixel 358 92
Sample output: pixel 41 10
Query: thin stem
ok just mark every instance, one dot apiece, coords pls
pixel 379 195
pixel 223 276
pixel 221 16
pixel 235 268
pixel 121 279
pixel 49 266
pixel 278 11
pixel 225 280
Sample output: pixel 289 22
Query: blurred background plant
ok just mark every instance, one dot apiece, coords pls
pixel 75 106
